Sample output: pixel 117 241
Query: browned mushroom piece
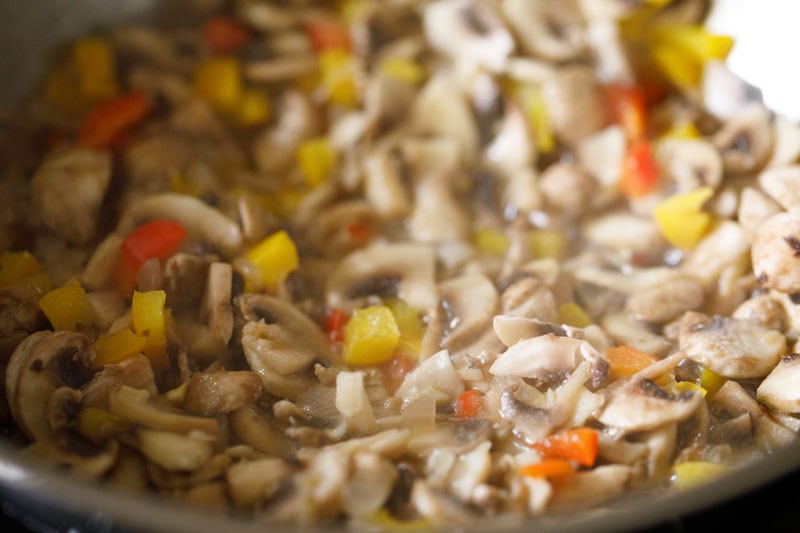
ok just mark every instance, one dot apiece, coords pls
pixel 746 140
pixel 551 30
pixel 213 393
pixel 41 364
pixel 68 191
pixel 19 317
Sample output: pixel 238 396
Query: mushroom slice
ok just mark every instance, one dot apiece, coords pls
pixel 371 481
pixel 591 487
pixel 200 219
pixel 183 274
pixel 754 208
pixel 441 110
pixel 20 316
pixel 781 388
pixel 274 150
pixel 403 270
pixel 435 375
pixel 640 404
pixel 666 301
pixel 745 141
pixel 42 363
pixel 574 103
pixel 470 302
pixel 552 30
pixel 787 142
pixel 210 394
pixel 251 483
pixel 691 163
pixel 601 154
pixel 542 357
pixel 730 347
pixel 383 186
pixel 174 452
pixel 469 32
pixel 68 191
pixel 776 252
pixel 259 430
pixel 782 184
pixel 135 372
pixel 135 406
pixel 85 464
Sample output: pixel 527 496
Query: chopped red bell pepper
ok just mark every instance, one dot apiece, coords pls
pixel 579 445
pixel 548 468
pixel 224 35
pixel 469 403
pixel 154 239
pixel 335 319
pixel 639 173
pixel 360 232
pixel 328 34
pixel 109 121
pixel 627 106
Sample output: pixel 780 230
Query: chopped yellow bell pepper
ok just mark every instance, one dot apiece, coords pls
pixel 682 71
pixel 384 520
pixel 22 269
pixel 317 160
pixel 370 336
pixel 687 386
pixel 276 256
pixel 693 41
pixel 535 111
pixel 148 317
pixel 410 326
pixel 99 425
pixel 691 473
pixel 547 243
pixel 351 10
pixel 114 347
pixel 402 69
pixel 67 307
pixel 491 241
pixel 681 219
pixel 218 82
pixel 682 130
pixel 337 72
pixel 94 60
pixel 62 92
pixel 572 314
pixel 711 381
pixel 253 108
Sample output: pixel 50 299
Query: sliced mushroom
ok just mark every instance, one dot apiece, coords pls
pixel 19 317
pixel 542 357
pixel 251 483
pixel 275 148
pixel 42 363
pixel 629 332
pixel 371 481
pixel 640 404
pixel 402 270
pixel 441 110
pixel 592 487
pixel 746 140
pixel 787 142
pixel 470 303
pixel 530 297
pixel 754 208
pixel 259 430
pixel 690 163
pixel 210 394
pixel 86 463
pixel 764 309
pixel 200 219
pixel 435 375
pixel 626 233
pixel 730 347
pixel 183 274
pixel 136 406
pixel 567 187
pixel 776 252
pixel 782 184
pixel 666 301
pixel 725 246
pixel 780 389
pixel 102 265
pixel 574 103
pixel 135 372
pixel 68 191
pixel 551 30
pixel 174 451
pixel 467 31
pixel 383 187
pixel 601 154
pixel 436 215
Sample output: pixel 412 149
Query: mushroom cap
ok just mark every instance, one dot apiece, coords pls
pixel 42 363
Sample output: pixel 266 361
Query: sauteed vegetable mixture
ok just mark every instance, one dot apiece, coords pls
pixel 402 262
